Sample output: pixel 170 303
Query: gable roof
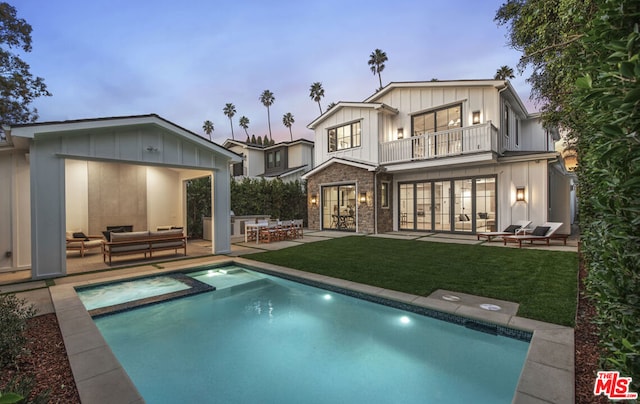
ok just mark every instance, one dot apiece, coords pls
pixel 373 105
pixel 340 160
pixel 31 130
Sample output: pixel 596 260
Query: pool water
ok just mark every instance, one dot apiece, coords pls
pixel 270 340
pixel 128 291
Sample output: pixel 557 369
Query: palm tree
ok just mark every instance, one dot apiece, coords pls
pixel 287 120
pixel 244 124
pixel 207 127
pixel 376 61
pixel 504 73
pixel 230 110
pixel 267 99
pixel 316 92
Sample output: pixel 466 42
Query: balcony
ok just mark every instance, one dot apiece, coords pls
pixel 452 142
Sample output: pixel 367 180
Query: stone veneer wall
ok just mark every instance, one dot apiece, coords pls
pixel 117 196
pixel 341 174
pixel 385 215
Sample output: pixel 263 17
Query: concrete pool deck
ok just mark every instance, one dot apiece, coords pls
pixel 547 375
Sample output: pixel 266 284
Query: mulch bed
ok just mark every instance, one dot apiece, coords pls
pixel 48 362
pixel 586 348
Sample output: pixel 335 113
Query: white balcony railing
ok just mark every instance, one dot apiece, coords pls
pixel 452 142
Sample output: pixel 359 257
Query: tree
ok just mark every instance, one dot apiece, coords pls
pixel 316 92
pixel 331 105
pixel 267 99
pixel 18 87
pixel 244 124
pixel 253 139
pixel 584 56
pixel 376 61
pixel 207 127
pixel 287 120
pixel 230 110
pixel 504 73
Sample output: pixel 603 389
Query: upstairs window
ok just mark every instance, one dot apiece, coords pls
pixel 506 121
pixel 345 137
pixel 274 159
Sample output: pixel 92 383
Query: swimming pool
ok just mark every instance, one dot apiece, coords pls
pixel 266 339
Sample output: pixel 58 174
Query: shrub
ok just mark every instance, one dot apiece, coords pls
pixel 14 313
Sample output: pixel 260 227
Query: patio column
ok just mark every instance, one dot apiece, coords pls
pixel 221 212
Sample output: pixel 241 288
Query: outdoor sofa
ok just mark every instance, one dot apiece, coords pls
pixel 143 242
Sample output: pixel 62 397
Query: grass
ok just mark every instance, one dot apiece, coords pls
pixel 544 283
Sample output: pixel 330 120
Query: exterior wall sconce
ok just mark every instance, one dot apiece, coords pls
pixel 314 199
pixel 363 197
pixel 475 117
pixel 400 133
pixel 519 194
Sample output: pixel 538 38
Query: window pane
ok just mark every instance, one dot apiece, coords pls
pixel 406 206
pixel 332 140
pixel 355 130
pixel 384 194
pixel 485 204
pixel 463 212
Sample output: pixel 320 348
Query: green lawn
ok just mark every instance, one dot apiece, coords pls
pixel 544 283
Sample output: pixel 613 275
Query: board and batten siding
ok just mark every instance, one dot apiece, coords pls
pixel 368 149
pixel 410 101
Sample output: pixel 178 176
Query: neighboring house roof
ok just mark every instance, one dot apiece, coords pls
pixel 284 173
pixel 230 142
pixel 30 130
pixel 341 160
pixel 374 105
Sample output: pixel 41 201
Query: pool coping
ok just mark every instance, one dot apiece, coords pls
pixel 547 376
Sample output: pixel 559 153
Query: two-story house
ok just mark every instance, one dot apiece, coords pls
pixel 286 160
pixel 441 156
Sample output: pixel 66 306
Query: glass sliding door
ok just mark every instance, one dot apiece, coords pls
pixel 463 205
pixel 485 204
pixel 407 207
pixel 339 207
pixel 442 205
pixel 459 205
pixel 423 206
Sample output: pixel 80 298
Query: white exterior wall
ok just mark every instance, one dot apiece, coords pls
pixel 533 136
pixel 77 196
pixel 300 154
pixel 410 101
pixel 15 215
pixel 367 152
pixel 254 162
pixel 163 203
pixel 531 175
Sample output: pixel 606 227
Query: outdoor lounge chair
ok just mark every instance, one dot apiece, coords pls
pixel 78 241
pixel 520 224
pixel 542 233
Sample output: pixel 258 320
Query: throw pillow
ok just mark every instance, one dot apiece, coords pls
pixel 540 230
pixel 107 235
pixel 483 215
pixel 512 228
pixel 81 235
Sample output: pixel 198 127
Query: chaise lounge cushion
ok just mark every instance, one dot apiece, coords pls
pixel 540 231
pixel 512 228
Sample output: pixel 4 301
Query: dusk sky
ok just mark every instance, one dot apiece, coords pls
pixel 185 60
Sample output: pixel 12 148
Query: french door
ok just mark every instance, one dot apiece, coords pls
pixel 339 207
pixel 463 205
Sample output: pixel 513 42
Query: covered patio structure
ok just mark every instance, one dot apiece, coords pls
pixel 87 175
